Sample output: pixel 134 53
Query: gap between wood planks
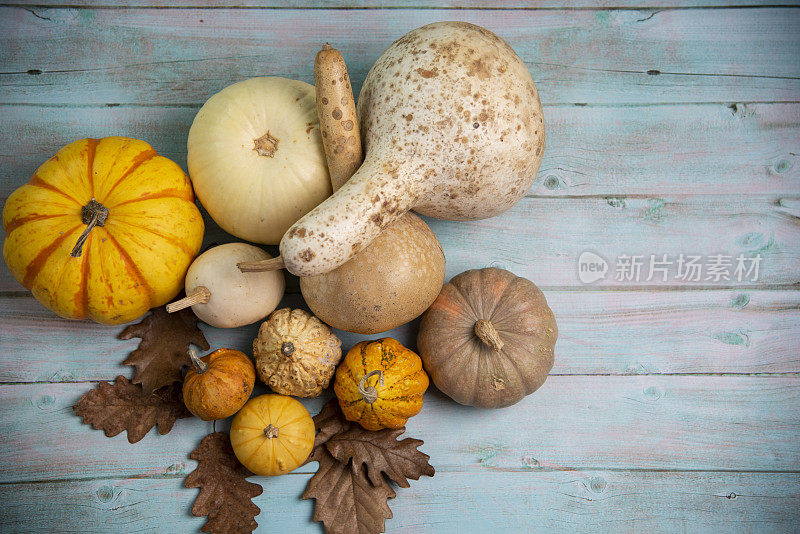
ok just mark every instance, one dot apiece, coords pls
pixel 590 375
pixel 198 105
pixel 412 7
pixel 294 290
pixel 480 469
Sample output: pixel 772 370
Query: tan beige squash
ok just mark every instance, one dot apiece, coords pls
pixel 295 353
pixel 488 339
pixel 222 295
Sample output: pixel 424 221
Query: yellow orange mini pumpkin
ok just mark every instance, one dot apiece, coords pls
pixel 218 384
pixel 380 384
pixel 272 434
pixel 104 229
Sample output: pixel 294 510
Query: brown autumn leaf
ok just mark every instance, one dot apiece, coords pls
pixel 329 422
pixel 346 501
pixel 122 405
pixel 349 487
pixel 164 349
pixel 226 497
pixel 381 452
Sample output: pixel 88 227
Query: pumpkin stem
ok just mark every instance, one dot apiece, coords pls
pixel 199 365
pixel 370 394
pixel 287 349
pixel 266 145
pixel 271 264
pixel 200 295
pixel 271 431
pixel 92 214
pixel 487 333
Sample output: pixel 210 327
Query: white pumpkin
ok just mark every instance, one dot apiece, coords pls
pixel 256 158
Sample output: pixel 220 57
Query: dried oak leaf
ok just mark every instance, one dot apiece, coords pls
pixel 164 349
pixel 381 452
pixel 329 422
pixel 346 501
pixel 122 405
pixel 225 496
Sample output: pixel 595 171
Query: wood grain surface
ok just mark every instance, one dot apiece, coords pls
pixel 163 56
pixel 637 422
pixel 553 500
pixel 673 127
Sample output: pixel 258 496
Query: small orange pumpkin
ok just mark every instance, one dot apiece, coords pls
pixel 380 384
pixel 219 384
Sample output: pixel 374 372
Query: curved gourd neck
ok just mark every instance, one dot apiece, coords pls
pixel 379 193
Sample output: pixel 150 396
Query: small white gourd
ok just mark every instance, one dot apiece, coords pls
pixel 222 295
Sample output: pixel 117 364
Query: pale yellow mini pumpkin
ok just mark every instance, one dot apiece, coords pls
pixel 256 157
pixel 296 353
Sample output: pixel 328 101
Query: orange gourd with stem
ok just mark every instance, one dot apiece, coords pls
pixel 218 384
pixel 380 384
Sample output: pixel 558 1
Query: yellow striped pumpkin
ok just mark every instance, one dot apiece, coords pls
pixel 135 210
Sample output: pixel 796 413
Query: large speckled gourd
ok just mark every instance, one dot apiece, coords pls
pixel 399 274
pixel 452 127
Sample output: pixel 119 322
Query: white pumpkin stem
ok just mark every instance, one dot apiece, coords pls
pixel 200 295
pixel 271 431
pixel 92 214
pixel 487 333
pixel 199 365
pixel 370 394
pixel 272 264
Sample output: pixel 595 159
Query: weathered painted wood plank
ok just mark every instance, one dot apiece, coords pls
pixel 543 240
pixel 147 56
pixel 450 502
pixel 549 235
pixel 572 422
pixel 676 331
pixel 654 150
pixel 750 150
pixel 420 4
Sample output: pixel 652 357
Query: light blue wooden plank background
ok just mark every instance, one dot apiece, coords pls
pixel 673 127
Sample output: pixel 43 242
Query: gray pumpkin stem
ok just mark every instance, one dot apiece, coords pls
pixel 488 334
pixel 199 365
pixel 370 394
